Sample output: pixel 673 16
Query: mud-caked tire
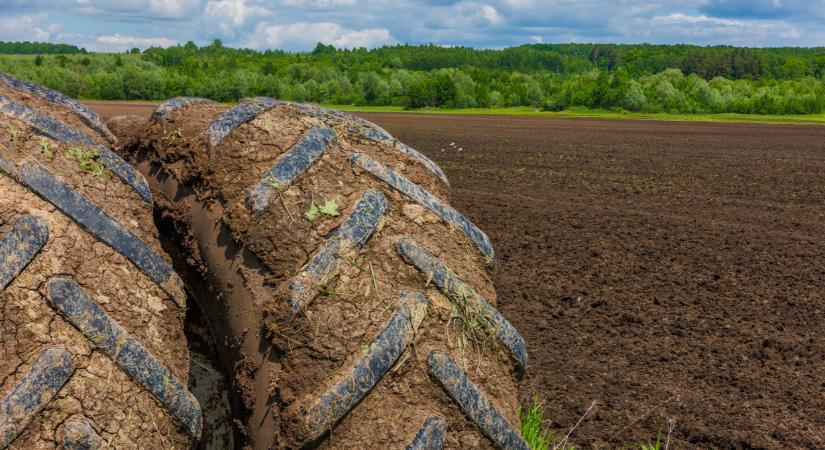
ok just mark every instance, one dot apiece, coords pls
pixel 92 346
pixel 356 306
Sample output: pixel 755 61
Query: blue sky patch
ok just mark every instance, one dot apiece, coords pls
pixel 106 25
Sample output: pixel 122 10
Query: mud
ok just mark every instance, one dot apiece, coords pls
pixel 122 412
pixel 282 363
pixel 202 247
pixel 59 112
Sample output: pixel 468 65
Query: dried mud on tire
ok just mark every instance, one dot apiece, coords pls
pixel 92 349
pixel 335 334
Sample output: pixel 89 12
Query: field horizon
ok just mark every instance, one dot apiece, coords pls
pixel 110 108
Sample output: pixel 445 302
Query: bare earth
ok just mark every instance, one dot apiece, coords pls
pixel 668 271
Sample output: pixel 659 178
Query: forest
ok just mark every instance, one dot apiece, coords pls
pixel 557 77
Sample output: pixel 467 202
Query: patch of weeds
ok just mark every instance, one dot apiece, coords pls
pixel 655 446
pixel 327 291
pixel 333 373
pixel 534 425
pixel 329 208
pixel 45 147
pixel 88 160
pixel 272 183
pixel 474 319
pixel 312 212
pixel 12 132
pixel 170 138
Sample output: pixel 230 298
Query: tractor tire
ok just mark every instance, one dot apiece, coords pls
pixel 353 304
pixel 92 346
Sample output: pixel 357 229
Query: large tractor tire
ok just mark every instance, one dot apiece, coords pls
pixel 353 305
pixel 92 346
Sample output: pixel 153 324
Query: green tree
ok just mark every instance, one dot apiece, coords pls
pixel 139 84
pixel 555 76
pixel 600 94
pixel 421 94
pixel 373 88
pixel 444 88
pixel 635 98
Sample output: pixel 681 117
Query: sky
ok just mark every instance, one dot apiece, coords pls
pixel 297 25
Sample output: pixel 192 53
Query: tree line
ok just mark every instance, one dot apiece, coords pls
pixel 647 78
pixel 31 48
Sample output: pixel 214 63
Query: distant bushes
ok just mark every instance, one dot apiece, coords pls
pixel 671 91
pixel 555 78
pixel 31 48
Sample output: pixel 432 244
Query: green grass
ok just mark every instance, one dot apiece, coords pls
pixel 536 433
pixel 534 426
pixel 88 159
pixel 328 208
pixel 12 132
pixel 274 184
pixel 45 147
pixel 655 446
pixel 524 111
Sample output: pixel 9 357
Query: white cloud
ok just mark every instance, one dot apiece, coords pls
pixel 466 16
pixel 25 28
pixel 518 4
pixel 679 27
pixel 118 42
pixel 230 16
pixel 373 37
pixel 306 35
pixel 681 19
pixel 169 8
pixel 490 15
pixel 137 9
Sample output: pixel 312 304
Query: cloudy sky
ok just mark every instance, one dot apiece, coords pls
pixel 115 25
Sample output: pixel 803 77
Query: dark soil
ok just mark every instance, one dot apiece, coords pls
pixel 665 270
pixel 668 271
pixel 107 110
